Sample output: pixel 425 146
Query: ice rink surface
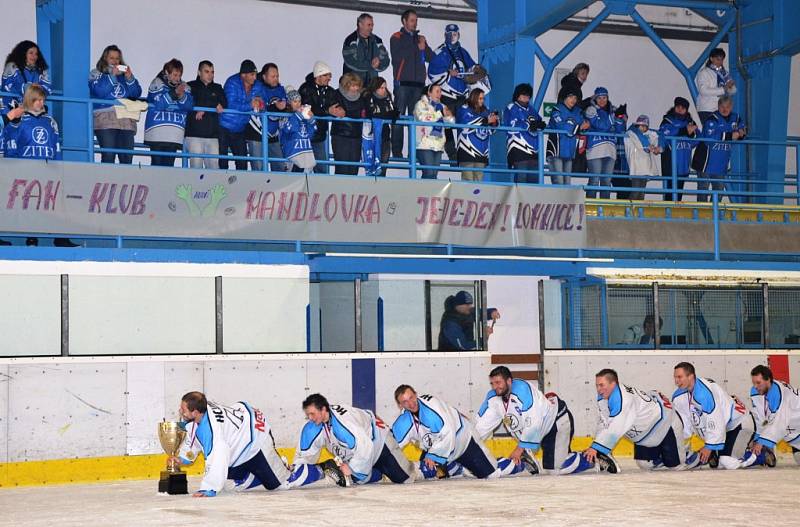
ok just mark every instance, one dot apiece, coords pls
pixel 704 497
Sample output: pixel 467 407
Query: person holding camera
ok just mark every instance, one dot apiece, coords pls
pixel 473 143
pixel 430 139
pixel 522 147
pixel 410 51
pixel 113 79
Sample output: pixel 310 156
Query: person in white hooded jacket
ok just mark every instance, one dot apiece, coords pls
pixel 643 152
pixel 431 139
pixel 712 81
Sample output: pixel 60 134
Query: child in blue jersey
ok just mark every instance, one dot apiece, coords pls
pixel 561 148
pixel 296 132
pixel 170 101
pixel 473 143
pixel 31 133
pixel 24 66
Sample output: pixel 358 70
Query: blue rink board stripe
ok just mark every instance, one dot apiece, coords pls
pixel 363 373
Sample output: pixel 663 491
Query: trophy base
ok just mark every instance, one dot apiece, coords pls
pixel 173 483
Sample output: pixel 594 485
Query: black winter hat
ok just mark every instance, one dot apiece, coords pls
pixel 680 101
pixel 248 66
pixel 523 89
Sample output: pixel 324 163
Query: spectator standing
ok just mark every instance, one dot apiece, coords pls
pixel 642 151
pixel 170 100
pixel 410 52
pixel 24 66
pixel 677 122
pixel 202 128
pixel 473 143
pixel 568 117
pixel 711 159
pixel 32 134
pixel 381 106
pixel 317 93
pixel 296 132
pixel 712 81
pixel 450 63
pixel 430 139
pixel 274 96
pixel 573 83
pixel 363 52
pixel 602 149
pixel 522 146
pixel 113 79
pixel 346 135
pixel 243 95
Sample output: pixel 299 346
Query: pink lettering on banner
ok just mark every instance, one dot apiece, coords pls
pixel 302 207
pixel 113 198
pixel 34 195
pixel 549 217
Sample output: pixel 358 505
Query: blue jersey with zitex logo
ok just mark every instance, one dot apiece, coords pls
pixel 713 158
pixel 525 141
pixel 674 125
pixel 107 86
pixel 32 137
pixel 296 132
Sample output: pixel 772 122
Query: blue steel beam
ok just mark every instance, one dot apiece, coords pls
pixel 549 13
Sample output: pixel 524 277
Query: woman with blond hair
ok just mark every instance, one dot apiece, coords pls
pixel 348 101
pixel 431 139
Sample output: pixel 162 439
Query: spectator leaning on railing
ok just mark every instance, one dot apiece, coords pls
pixel 113 79
pixel 170 100
pixel 473 143
pixel 713 81
pixel 346 135
pixel 242 95
pixel 602 150
pixel 274 96
pixel 677 122
pixel 381 106
pixel 522 146
pixel 363 52
pixel 642 150
pixel 446 69
pixel 296 131
pixel 24 66
pixel 202 128
pixel 711 159
pixel 317 93
pixel 567 117
pixel 430 139
pixel 410 52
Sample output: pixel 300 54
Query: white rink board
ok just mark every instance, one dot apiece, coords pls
pixel 662 499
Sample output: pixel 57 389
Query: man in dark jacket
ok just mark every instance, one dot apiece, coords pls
pixel 677 122
pixel 364 53
pixel 317 93
pixel 410 52
pixel 457 328
pixel 202 128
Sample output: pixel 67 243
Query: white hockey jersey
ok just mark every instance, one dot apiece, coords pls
pixel 708 411
pixel 228 436
pixel 353 435
pixel 437 428
pixel 644 417
pixel 527 415
pixel 777 415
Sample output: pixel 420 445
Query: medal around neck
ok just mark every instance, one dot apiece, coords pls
pixel 171 436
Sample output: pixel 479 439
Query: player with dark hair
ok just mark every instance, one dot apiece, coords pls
pixel 776 408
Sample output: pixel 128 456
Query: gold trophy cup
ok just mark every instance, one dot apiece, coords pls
pixel 173 480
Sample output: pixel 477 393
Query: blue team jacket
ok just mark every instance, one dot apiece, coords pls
pixel 439 68
pixel 516 116
pixel 296 133
pixel 713 158
pixel 674 125
pixel 563 146
pixel 473 143
pixel 32 137
pixel 166 115
pixel 602 120
pixel 16 81
pixel 238 100
pixel 107 86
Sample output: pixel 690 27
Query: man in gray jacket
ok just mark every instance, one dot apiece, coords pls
pixel 364 53
pixel 410 53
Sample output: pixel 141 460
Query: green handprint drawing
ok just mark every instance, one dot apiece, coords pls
pixel 185 194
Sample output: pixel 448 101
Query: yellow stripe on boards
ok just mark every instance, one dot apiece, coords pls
pixel 115 468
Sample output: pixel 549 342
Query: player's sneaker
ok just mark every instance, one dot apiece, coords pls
pixel 334 473
pixel 531 463
pixel 607 463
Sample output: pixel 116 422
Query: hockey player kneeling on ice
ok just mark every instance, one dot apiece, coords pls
pixel 776 408
pixel 720 420
pixel 644 417
pixel 533 419
pixel 447 438
pixel 361 443
pixel 236 442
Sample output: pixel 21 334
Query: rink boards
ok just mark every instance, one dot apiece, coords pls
pixel 94 418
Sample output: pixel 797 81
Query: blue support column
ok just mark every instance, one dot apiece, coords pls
pixel 64 35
